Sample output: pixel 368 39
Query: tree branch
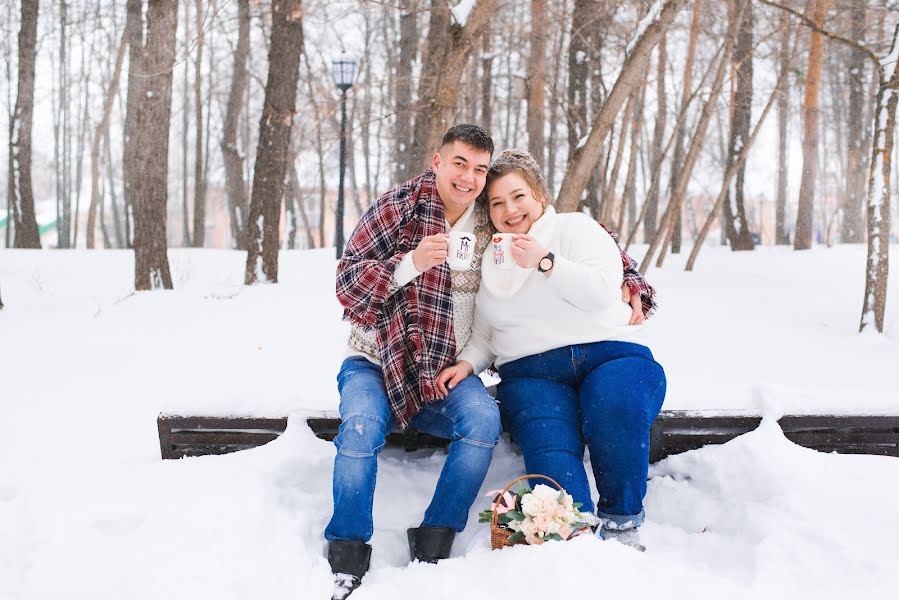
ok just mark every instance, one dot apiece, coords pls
pixel 829 34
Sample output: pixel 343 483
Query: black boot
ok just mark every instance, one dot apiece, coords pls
pixel 430 544
pixel 349 562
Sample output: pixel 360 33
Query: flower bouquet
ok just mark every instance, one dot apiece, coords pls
pixel 533 516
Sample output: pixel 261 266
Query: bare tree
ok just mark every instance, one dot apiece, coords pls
pixel 234 181
pixel 408 51
pixel 150 193
pixel 134 28
pixel 735 225
pixel 99 134
pixel 658 135
pixel 783 110
pixel 536 81
pixel 274 140
pixel 437 101
pixel 199 237
pixel 588 154
pixel 804 225
pixel 853 228
pixel 20 191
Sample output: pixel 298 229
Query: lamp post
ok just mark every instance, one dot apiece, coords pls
pixel 343 69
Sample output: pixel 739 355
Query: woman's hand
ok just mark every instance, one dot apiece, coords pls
pixel 451 376
pixel 526 252
pixel 636 304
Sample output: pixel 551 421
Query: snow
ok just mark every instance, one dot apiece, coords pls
pixel 88 510
pixel 462 10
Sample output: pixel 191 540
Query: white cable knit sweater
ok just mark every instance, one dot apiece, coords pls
pixel 525 312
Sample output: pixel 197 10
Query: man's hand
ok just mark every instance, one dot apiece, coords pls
pixel 430 252
pixel 526 252
pixel 636 304
pixel 451 376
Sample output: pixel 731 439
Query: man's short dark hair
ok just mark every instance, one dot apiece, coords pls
pixel 470 135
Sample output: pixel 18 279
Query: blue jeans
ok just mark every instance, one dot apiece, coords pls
pixel 605 395
pixel 468 417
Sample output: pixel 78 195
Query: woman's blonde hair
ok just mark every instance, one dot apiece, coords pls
pixel 521 162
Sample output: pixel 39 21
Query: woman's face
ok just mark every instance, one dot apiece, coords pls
pixel 514 206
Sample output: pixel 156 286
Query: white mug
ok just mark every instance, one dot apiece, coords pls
pixel 460 250
pixel 502 251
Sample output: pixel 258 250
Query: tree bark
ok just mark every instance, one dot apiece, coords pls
pixel 588 155
pixel 536 82
pixel 677 160
pixel 274 139
pixel 134 25
pixel 735 225
pixel 739 160
pixel 679 189
pixel 438 96
pixel 199 237
pixel 805 211
pixel 408 51
pixel 578 72
pixel 879 191
pixel 658 136
pixel 853 227
pixel 152 146
pixel 20 190
pixel 235 187
pixel 783 111
pixel 486 118
pixel 99 135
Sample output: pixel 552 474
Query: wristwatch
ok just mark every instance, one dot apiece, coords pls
pixel 546 263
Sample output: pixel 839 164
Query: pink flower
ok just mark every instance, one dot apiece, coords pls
pixel 542 521
pixel 548 506
pixel 528 527
pixel 533 540
pixel 565 532
pixel 506 504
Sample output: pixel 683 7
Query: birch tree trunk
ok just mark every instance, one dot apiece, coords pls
pixel 274 140
pixel 20 191
pixel 134 26
pixel 805 211
pixel 151 268
pixel 879 191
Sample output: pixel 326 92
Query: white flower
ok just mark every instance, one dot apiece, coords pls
pixel 530 504
pixel 544 492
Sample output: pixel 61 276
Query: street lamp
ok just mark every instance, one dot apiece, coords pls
pixel 342 69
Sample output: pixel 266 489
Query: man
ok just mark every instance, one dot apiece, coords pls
pixel 411 315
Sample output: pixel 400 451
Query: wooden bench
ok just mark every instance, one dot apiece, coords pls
pixel 673 432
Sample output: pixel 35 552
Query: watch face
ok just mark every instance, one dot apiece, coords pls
pixel 546 263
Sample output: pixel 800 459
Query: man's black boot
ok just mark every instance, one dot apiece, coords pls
pixel 430 544
pixel 349 563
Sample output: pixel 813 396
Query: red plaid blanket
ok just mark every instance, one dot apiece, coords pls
pixel 414 325
pixel 634 280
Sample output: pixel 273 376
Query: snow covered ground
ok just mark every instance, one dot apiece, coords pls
pixel 88 510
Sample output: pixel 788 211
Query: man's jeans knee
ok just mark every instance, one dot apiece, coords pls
pixel 468 417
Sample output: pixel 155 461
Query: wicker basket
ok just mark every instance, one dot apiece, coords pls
pixel 499 536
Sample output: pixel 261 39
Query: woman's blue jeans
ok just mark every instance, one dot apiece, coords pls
pixel 605 395
pixel 468 417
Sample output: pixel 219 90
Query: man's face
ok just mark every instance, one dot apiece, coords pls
pixel 461 174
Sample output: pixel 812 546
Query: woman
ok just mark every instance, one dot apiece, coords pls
pixel 572 370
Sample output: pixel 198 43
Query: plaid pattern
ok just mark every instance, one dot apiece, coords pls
pixel 634 280
pixel 414 326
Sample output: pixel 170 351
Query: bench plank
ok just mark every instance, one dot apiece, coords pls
pixel 673 432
